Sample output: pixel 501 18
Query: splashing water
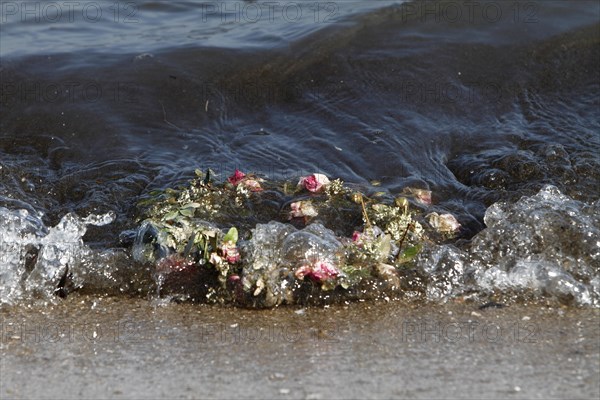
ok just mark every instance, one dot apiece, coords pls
pixel 276 249
pixel 35 258
pixel 547 244
pixel 542 246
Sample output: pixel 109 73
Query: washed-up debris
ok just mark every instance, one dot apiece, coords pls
pixel 215 242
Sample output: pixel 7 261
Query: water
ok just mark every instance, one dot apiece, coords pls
pixel 35 258
pixel 481 109
pixel 543 244
pixel 418 351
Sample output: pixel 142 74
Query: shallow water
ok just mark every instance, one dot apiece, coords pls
pixel 90 347
pixel 479 108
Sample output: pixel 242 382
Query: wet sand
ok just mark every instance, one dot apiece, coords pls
pixel 132 348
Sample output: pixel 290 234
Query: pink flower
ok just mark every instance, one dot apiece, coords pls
pixel 302 209
pixel 356 236
pixel 237 177
pixel 230 252
pixel 314 183
pixel 248 181
pixel 320 271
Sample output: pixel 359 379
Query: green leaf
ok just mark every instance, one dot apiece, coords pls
pixel 412 251
pixel 171 216
pixel 191 205
pixel 231 236
pixel 198 173
pixel 187 212
pixel 189 246
pixel 409 253
pixel 200 242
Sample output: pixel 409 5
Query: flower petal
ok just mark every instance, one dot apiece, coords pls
pixel 236 177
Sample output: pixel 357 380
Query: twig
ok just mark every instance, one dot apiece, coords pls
pixel 165 117
pixel 403 237
pixel 362 203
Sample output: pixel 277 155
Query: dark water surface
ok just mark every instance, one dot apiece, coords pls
pixel 476 103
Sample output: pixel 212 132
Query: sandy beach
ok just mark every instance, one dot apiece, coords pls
pixel 132 348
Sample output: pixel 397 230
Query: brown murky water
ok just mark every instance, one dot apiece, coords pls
pixel 130 348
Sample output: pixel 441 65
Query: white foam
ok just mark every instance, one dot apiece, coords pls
pixel 34 257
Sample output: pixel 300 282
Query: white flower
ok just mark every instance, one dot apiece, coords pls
pixel 303 209
pixel 444 223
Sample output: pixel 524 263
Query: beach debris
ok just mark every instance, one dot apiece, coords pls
pixel 422 196
pixel 302 209
pixel 314 183
pixel 250 182
pixel 446 224
pixel 319 272
pixel 264 260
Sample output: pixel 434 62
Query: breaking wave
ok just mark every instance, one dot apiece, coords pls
pixel 542 248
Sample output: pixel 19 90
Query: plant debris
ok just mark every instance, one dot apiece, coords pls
pixel 258 244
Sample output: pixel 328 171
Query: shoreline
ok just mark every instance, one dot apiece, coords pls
pixel 115 347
